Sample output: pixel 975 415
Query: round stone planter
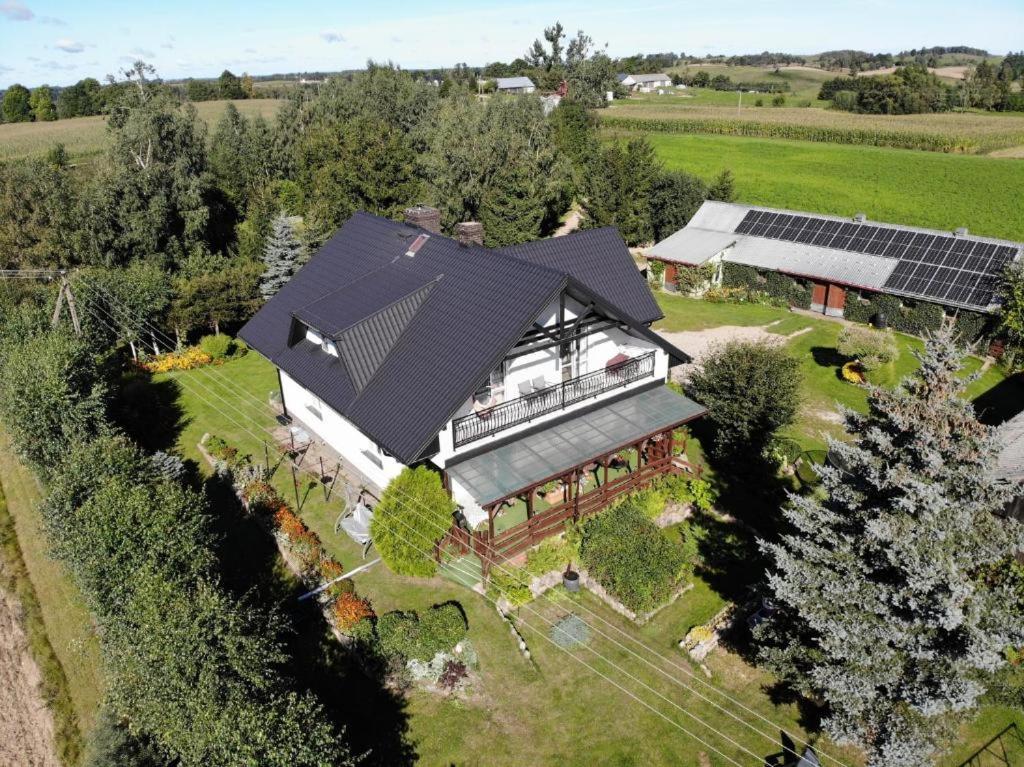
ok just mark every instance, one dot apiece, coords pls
pixel 571 580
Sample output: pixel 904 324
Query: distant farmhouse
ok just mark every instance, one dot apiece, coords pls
pixel 644 83
pixel 514 85
pixel 844 262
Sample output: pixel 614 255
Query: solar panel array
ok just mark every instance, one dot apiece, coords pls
pixel 943 268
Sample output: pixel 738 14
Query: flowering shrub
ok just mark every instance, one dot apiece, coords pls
pixel 349 609
pixel 303 542
pixel 187 359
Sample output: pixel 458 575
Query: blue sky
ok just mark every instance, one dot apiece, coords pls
pixel 61 42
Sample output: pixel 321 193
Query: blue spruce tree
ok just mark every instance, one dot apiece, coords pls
pixel 885 613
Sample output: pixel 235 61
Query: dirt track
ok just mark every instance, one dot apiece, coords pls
pixel 26 726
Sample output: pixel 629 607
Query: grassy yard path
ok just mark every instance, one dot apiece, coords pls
pixel 812 341
pixel 67 622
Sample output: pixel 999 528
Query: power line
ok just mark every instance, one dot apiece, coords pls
pixel 599 655
pixel 676 680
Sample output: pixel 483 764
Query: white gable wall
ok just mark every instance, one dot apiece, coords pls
pixel 344 438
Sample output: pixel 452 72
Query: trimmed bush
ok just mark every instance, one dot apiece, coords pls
pixel 872 348
pixel 441 628
pixel 217 346
pixel 628 555
pixel 413 637
pixel 414 512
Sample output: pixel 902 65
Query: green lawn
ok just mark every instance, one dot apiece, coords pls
pixel 551 709
pixel 996 395
pixel 928 189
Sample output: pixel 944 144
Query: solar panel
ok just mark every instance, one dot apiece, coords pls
pixel 941 267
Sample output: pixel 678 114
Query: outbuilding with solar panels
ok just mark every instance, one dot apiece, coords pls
pixel 838 256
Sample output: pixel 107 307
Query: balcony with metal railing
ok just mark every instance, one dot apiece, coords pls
pixel 511 413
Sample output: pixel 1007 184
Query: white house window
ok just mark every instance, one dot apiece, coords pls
pixel 315 407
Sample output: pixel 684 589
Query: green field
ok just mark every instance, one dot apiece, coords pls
pixel 927 189
pixel 698 110
pixel 803 82
pixel 86 136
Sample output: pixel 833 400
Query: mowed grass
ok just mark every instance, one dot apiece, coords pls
pixel 971 132
pixel 996 393
pixel 927 189
pixel 550 709
pixel 87 136
pixel 68 623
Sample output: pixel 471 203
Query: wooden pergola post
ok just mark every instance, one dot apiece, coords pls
pixel 529 502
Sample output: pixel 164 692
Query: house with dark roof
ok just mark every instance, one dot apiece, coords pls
pixel 842 259
pixel 508 370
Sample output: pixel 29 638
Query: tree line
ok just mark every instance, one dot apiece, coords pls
pixel 912 89
pixel 200 225
pixel 88 97
pixel 194 673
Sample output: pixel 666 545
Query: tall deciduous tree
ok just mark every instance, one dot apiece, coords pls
pixel 751 390
pixel 229 86
pixel 674 198
pixel 41 104
pixel 360 164
pixel 16 106
pixel 885 611
pixel 51 396
pixel 482 157
pixel 153 198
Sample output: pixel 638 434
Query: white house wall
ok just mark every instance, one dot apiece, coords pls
pixel 595 351
pixel 344 438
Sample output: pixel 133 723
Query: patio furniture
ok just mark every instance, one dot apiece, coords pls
pixel 356 523
pixel 525 388
pixel 539 383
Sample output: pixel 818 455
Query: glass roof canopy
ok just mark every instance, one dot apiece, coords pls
pixel 551 452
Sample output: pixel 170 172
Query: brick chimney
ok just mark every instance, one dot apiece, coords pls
pixel 424 217
pixel 469 233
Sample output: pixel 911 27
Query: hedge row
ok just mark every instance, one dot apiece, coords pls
pixel 931 142
pixel 793 291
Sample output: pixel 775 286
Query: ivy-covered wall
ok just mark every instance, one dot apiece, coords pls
pixel 793 291
pixel 904 315
pixel 915 317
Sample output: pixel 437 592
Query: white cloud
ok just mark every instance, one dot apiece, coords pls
pixel 143 52
pixel 58 65
pixel 15 11
pixel 68 45
pixel 332 37
pixel 168 46
pixel 53 21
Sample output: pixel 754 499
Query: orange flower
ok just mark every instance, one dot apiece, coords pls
pixel 330 569
pixel 348 609
pixel 289 524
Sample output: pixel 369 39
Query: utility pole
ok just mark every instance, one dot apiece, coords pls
pixel 66 294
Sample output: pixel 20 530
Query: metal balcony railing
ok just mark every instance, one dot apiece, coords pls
pixel 524 409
